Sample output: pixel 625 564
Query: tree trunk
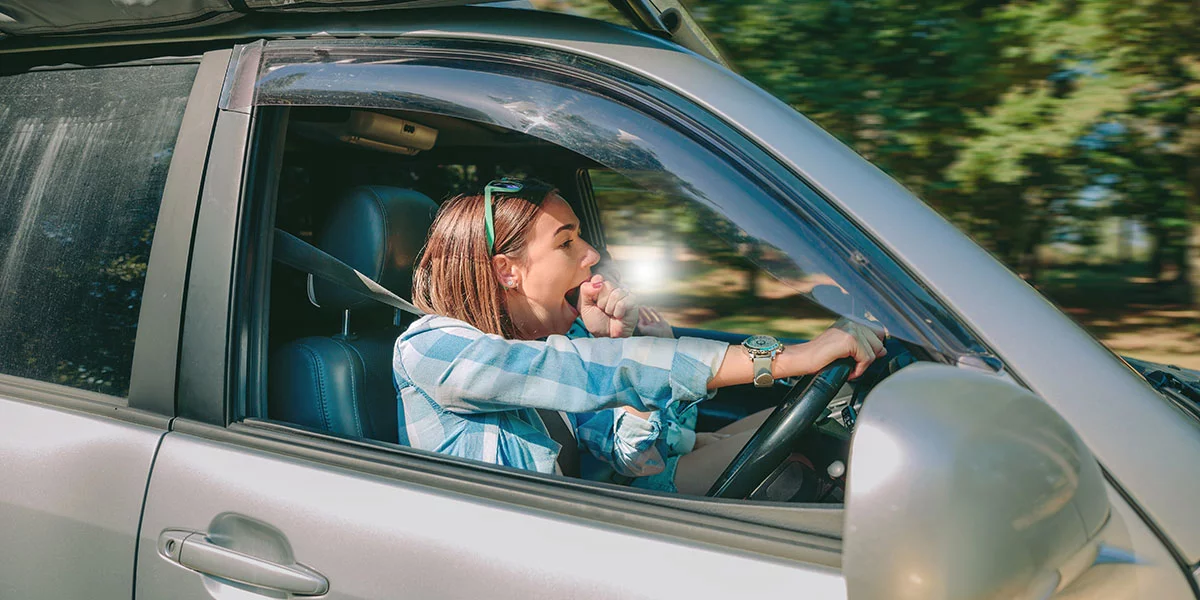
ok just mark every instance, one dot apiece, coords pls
pixel 1124 240
pixel 1035 232
pixel 1158 254
pixel 753 254
pixel 1189 266
pixel 1033 266
pixel 750 288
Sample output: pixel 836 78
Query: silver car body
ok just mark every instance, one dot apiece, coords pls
pixel 93 488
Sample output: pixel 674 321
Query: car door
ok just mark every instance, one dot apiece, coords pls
pixel 93 178
pixel 239 504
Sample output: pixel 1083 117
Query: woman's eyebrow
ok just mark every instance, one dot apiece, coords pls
pixel 567 227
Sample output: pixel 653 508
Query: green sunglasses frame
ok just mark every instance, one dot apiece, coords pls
pixel 504 185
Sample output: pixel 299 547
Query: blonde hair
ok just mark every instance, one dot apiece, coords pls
pixel 454 275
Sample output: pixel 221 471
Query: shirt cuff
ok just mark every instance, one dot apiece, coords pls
pixel 696 361
pixel 637 440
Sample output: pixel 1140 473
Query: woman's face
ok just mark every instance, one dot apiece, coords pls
pixel 555 263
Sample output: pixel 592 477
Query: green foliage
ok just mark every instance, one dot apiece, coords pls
pixel 1019 120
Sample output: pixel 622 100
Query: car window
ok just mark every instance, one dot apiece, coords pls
pixel 696 267
pixel 655 155
pixel 83 160
pixel 706 231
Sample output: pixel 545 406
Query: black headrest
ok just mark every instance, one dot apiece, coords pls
pixel 378 230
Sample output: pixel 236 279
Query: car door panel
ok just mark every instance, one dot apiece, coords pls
pixel 71 500
pixel 373 537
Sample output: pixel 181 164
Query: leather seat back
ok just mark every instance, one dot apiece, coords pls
pixel 343 383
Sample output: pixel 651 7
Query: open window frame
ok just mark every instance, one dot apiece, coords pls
pixel 258 87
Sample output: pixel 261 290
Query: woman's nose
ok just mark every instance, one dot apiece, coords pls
pixel 590 256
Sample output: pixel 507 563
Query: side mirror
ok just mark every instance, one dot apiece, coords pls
pixel 963 485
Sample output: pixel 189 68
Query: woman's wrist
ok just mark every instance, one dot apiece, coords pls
pixel 738 367
pixel 795 360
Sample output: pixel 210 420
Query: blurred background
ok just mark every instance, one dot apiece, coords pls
pixel 1063 135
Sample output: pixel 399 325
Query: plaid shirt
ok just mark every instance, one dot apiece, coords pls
pixel 474 395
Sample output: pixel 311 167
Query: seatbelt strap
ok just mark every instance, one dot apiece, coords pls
pixel 568 455
pixel 295 252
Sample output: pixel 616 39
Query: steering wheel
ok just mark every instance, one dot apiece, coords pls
pixel 774 440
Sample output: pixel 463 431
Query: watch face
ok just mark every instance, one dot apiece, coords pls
pixel 761 343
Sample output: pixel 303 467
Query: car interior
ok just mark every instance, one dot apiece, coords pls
pixel 363 187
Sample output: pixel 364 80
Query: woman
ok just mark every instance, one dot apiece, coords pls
pixel 518 322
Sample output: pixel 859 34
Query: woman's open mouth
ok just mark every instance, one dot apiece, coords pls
pixel 572 298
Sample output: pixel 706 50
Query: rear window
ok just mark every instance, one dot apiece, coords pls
pixel 83 160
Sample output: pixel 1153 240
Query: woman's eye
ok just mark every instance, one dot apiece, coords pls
pixel 567 244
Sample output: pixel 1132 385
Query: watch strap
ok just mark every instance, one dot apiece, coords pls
pixel 762 370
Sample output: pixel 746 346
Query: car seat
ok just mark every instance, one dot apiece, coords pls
pixel 342 383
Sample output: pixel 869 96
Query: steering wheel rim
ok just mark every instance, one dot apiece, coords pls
pixel 776 437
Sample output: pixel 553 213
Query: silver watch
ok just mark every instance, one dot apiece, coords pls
pixel 762 350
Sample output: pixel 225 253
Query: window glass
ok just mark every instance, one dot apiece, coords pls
pixel 803 254
pixel 698 268
pixel 83 160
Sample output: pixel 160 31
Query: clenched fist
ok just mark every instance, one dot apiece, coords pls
pixel 607 310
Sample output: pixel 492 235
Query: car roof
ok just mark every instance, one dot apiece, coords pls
pixel 21 18
pixel 40 25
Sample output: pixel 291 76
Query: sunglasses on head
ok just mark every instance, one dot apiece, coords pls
pixel 505 186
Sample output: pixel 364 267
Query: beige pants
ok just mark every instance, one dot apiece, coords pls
pixel 698 469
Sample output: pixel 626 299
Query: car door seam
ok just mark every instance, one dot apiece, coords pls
pixel 137 539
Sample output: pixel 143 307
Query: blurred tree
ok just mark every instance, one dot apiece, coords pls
pixel 894 79
pixel 905 83
pixel 1123 98
pixel 1158 45
pixel 1006 115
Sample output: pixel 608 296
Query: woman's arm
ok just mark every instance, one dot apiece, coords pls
pixel 844 338
pixel 465 371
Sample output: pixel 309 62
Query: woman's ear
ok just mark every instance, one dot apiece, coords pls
pixel 506 271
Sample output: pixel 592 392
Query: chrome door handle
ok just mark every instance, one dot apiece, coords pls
pixel 193 550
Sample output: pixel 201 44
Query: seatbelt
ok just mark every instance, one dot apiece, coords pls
pixel 556 426
pixel 295 252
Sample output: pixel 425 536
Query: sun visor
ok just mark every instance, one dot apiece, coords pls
pixel 381 132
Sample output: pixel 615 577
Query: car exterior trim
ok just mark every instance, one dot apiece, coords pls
pixel 32 391
pixel 156 350
pixel 203 381
pixel 574 499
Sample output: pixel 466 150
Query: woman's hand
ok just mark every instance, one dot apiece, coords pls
pixel 607 310
pixel 846 338
pixel 651 322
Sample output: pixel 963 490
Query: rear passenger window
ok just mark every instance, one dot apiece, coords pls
pixel 83 160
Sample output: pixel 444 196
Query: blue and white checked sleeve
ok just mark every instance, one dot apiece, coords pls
pixel 633 446
pixel 467 371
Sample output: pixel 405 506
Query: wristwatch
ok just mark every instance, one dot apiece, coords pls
pixel 762 350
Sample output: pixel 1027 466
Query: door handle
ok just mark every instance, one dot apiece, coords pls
pixel 192 549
